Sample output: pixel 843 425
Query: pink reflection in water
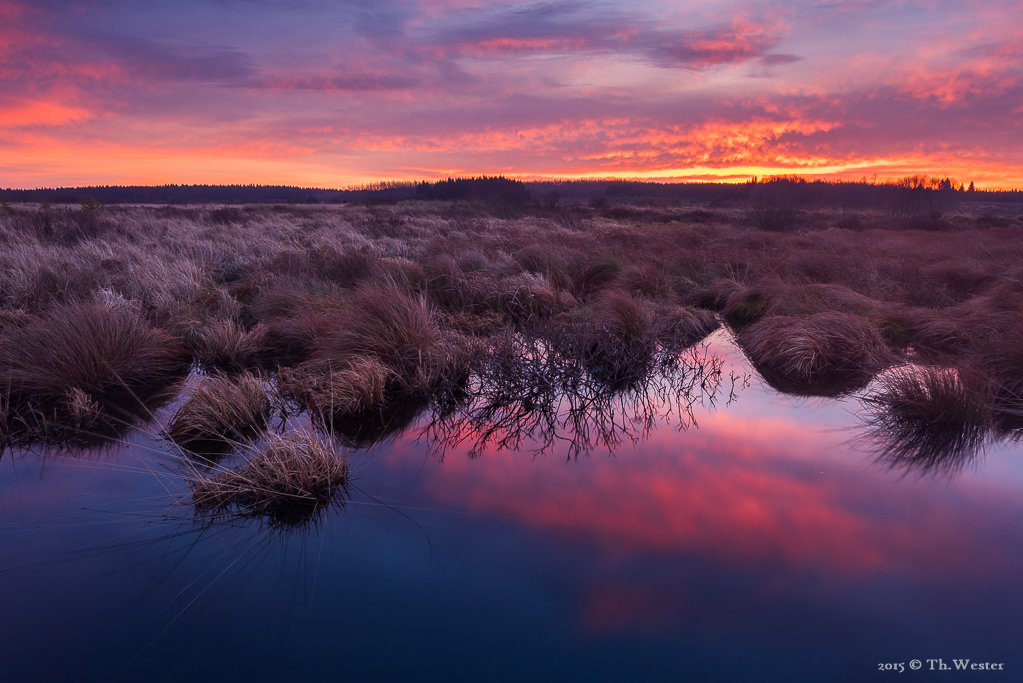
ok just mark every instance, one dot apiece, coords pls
pixel 775 484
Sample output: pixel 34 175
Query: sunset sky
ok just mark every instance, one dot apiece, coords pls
pixel 333 94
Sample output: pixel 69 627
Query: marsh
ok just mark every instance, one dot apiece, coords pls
pixel 581 440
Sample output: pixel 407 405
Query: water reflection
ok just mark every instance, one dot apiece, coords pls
pixel 534 396
pixel 825 384
pixel 759 532
pixel 932 420
pixel 84 423
pixel 372 427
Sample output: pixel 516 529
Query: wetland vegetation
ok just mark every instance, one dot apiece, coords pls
pixel 503 319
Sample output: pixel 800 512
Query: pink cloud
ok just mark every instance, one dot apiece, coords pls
pixel 559 89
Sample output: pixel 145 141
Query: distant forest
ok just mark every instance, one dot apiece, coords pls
pixel 860 194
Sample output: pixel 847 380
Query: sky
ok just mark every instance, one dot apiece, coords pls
pixel 341 93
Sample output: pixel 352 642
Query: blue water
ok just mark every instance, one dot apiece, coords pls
pixel 764 544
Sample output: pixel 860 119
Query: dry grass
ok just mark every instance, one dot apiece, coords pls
pixel 398 330
pixel 287 479
pixel 823 354
pixel 86 353
pixel 6 418
pixel 224 345
pixel 596 275
pixel 929 418
pixel 221 411
pixel 345 299
pixel 358 385
pixel 84 413
pixel 619 345
pixel 683 326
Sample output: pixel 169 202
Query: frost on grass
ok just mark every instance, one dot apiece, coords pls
pixel 287 479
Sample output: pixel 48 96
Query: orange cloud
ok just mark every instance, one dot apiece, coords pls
pixel 413 90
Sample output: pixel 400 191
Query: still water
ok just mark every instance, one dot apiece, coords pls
pixel 765 542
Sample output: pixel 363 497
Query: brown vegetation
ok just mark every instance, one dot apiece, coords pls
pixel 287 479
pixel 220 412
pixel 355 385
pixel 820 354
pixel 930 419
pixel 357 310
pixel 83 363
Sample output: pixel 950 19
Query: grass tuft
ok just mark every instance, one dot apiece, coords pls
pixel 399 330
pixel 597 275
pixel 221 412
pixel 86 349
pixel 929 418
pixel 357 386
pixel 826 354
pixel 288 479
pixel 225 345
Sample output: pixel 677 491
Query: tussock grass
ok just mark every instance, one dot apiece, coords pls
pixel 87 349
pixel 358 385
pixel 224 345
pixel 597 275
pixel 422 291
pixel 399 330
pixel 683 326
pixel 745 306
pixel 221 412
pixel 287 479
pixel 615 338
pixel 527 296
pixel 14 319
pixel 1002 356
pixel 647 280
pixel 929 418
pixel 825 354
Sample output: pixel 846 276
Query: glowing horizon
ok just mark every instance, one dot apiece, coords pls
pixel 342 94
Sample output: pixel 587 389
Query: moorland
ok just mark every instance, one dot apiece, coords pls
pixel 360 315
